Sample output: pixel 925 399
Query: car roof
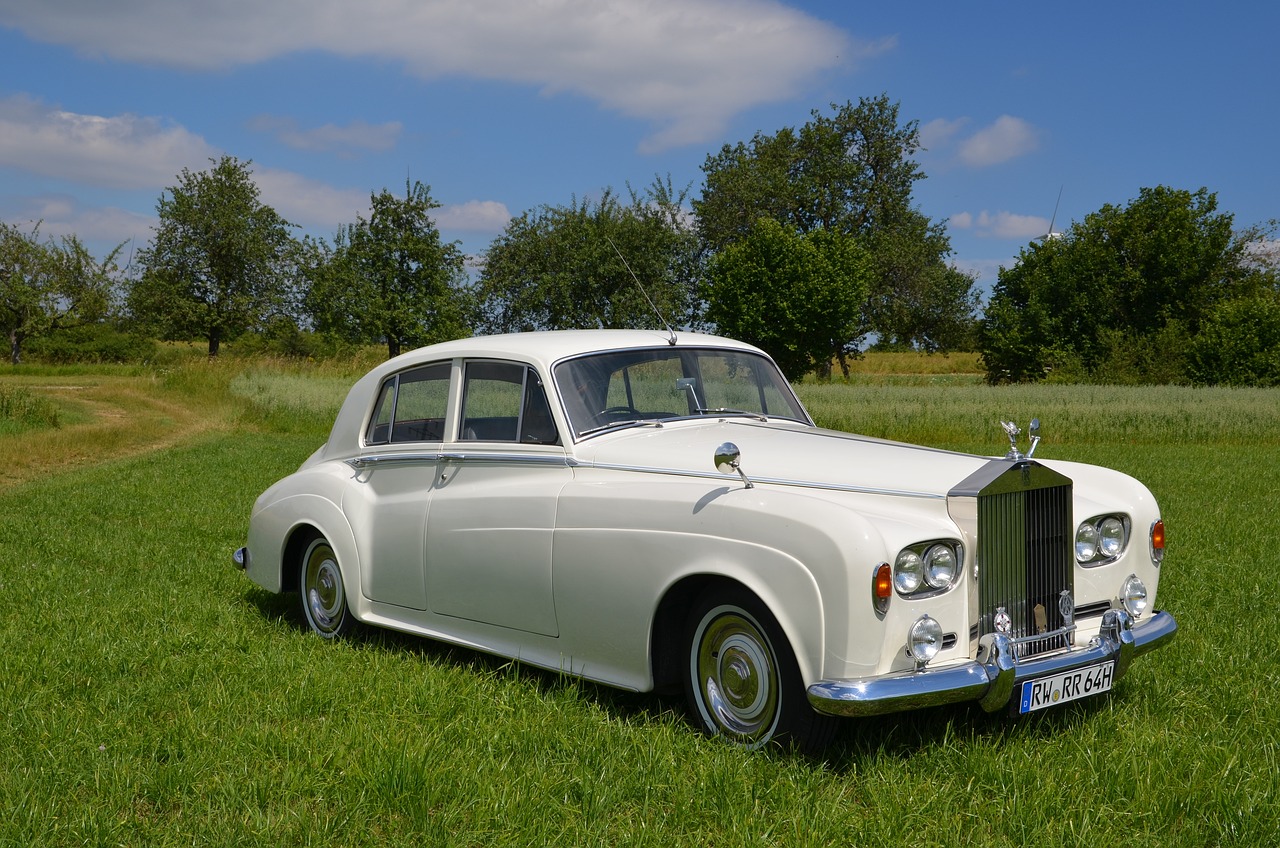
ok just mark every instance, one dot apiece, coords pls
pixel 550 346
pixel 540 349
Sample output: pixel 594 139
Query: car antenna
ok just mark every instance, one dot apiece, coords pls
pixel 648 299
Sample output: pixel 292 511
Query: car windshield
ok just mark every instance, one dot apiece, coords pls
pixel 628 387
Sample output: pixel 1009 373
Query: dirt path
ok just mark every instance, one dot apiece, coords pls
pixel 110 418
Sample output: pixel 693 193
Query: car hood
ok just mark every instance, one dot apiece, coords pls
pixel 784 453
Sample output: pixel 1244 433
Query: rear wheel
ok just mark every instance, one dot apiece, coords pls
pixel 741 678
pixel 323 596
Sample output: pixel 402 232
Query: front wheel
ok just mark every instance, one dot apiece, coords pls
pixel 741 678
pixel 323 597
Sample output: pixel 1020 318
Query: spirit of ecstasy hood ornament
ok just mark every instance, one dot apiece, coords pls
pixel 1012 430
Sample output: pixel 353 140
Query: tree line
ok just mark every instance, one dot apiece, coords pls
pixel 805 242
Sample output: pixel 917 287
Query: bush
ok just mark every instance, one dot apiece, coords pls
pixel 91 343
pixel 1239 345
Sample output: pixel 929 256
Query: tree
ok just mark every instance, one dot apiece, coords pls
pixel 850 173
pixel 563 267
pixel 391 278
pixel 1239 343
pixel 917 300
pixel 798 297
pixel 49 287
pixel 221 262
pixel 1122 291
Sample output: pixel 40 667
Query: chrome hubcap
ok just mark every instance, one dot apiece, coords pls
pixel 323 587
pixel 737 675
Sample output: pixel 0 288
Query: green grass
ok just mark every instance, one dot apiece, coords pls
pixel 22 409
pixel 151 695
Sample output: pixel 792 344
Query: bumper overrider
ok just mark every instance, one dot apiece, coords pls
pixel 992 679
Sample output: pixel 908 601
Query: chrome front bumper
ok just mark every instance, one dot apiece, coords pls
pixel 992 679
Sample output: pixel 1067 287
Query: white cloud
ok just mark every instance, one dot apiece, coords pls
pixel 686 66
pixel 482 216
pixel 357 135
pixel 1004 225
pixel 99 228
pixel 939 132
pixel 1008 138
pixel 307 202
pixel 124 151
pixel 1264 253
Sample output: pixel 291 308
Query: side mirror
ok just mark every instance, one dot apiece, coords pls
pixel 726 460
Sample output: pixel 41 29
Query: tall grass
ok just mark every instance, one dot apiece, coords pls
pixel 22 409
pixel 1069 414
pixel 151 695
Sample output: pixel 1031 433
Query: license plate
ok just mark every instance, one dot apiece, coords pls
pixel 1067 686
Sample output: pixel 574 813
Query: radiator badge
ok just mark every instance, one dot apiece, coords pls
pixel 1003 623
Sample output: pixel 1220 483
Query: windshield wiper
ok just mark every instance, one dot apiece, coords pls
pixel 721 410
pixel 636 422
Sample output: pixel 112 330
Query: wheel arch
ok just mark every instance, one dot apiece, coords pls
pixel 297 519
pixel 799 614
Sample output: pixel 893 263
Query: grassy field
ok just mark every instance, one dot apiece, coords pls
pixel 150 695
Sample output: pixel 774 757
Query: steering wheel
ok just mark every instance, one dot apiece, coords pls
pixel 607 413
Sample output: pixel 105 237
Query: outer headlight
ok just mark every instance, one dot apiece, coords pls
pixel 940 567
pixel 925 639
pixel 908 572
pixel 1133 596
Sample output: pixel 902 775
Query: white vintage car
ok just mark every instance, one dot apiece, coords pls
pixel 654 510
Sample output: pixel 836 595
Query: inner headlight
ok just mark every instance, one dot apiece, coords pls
pixel 1102 539
pixel 1086 542
pixel 1133 596
pixel 925 639
pixel 940 567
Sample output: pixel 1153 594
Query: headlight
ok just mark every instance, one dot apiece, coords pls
pixel 1112 532
pixel 940 567
pixel 925 639
pixel 908 572
pixel 1102 539
pixel 928 568
pixel 1133 596
pixel 1086 542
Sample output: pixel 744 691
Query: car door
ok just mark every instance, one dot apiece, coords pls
pixel 402 447
pixel 493 509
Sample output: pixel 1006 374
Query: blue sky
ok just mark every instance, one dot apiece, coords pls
pixel 505 105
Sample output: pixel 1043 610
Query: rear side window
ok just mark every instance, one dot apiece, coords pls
pixel 411 407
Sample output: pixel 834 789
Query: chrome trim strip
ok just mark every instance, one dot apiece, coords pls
pixel 776 481
pixel 993 680
pixel 510 458
pixel 360 462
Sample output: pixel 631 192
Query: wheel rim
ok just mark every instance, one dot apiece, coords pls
pixel 322 586
pixel 737 676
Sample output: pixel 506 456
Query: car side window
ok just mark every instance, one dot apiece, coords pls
pixel 505 402
pixel 411 407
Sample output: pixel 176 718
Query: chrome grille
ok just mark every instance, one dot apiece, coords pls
pixel 1025 562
